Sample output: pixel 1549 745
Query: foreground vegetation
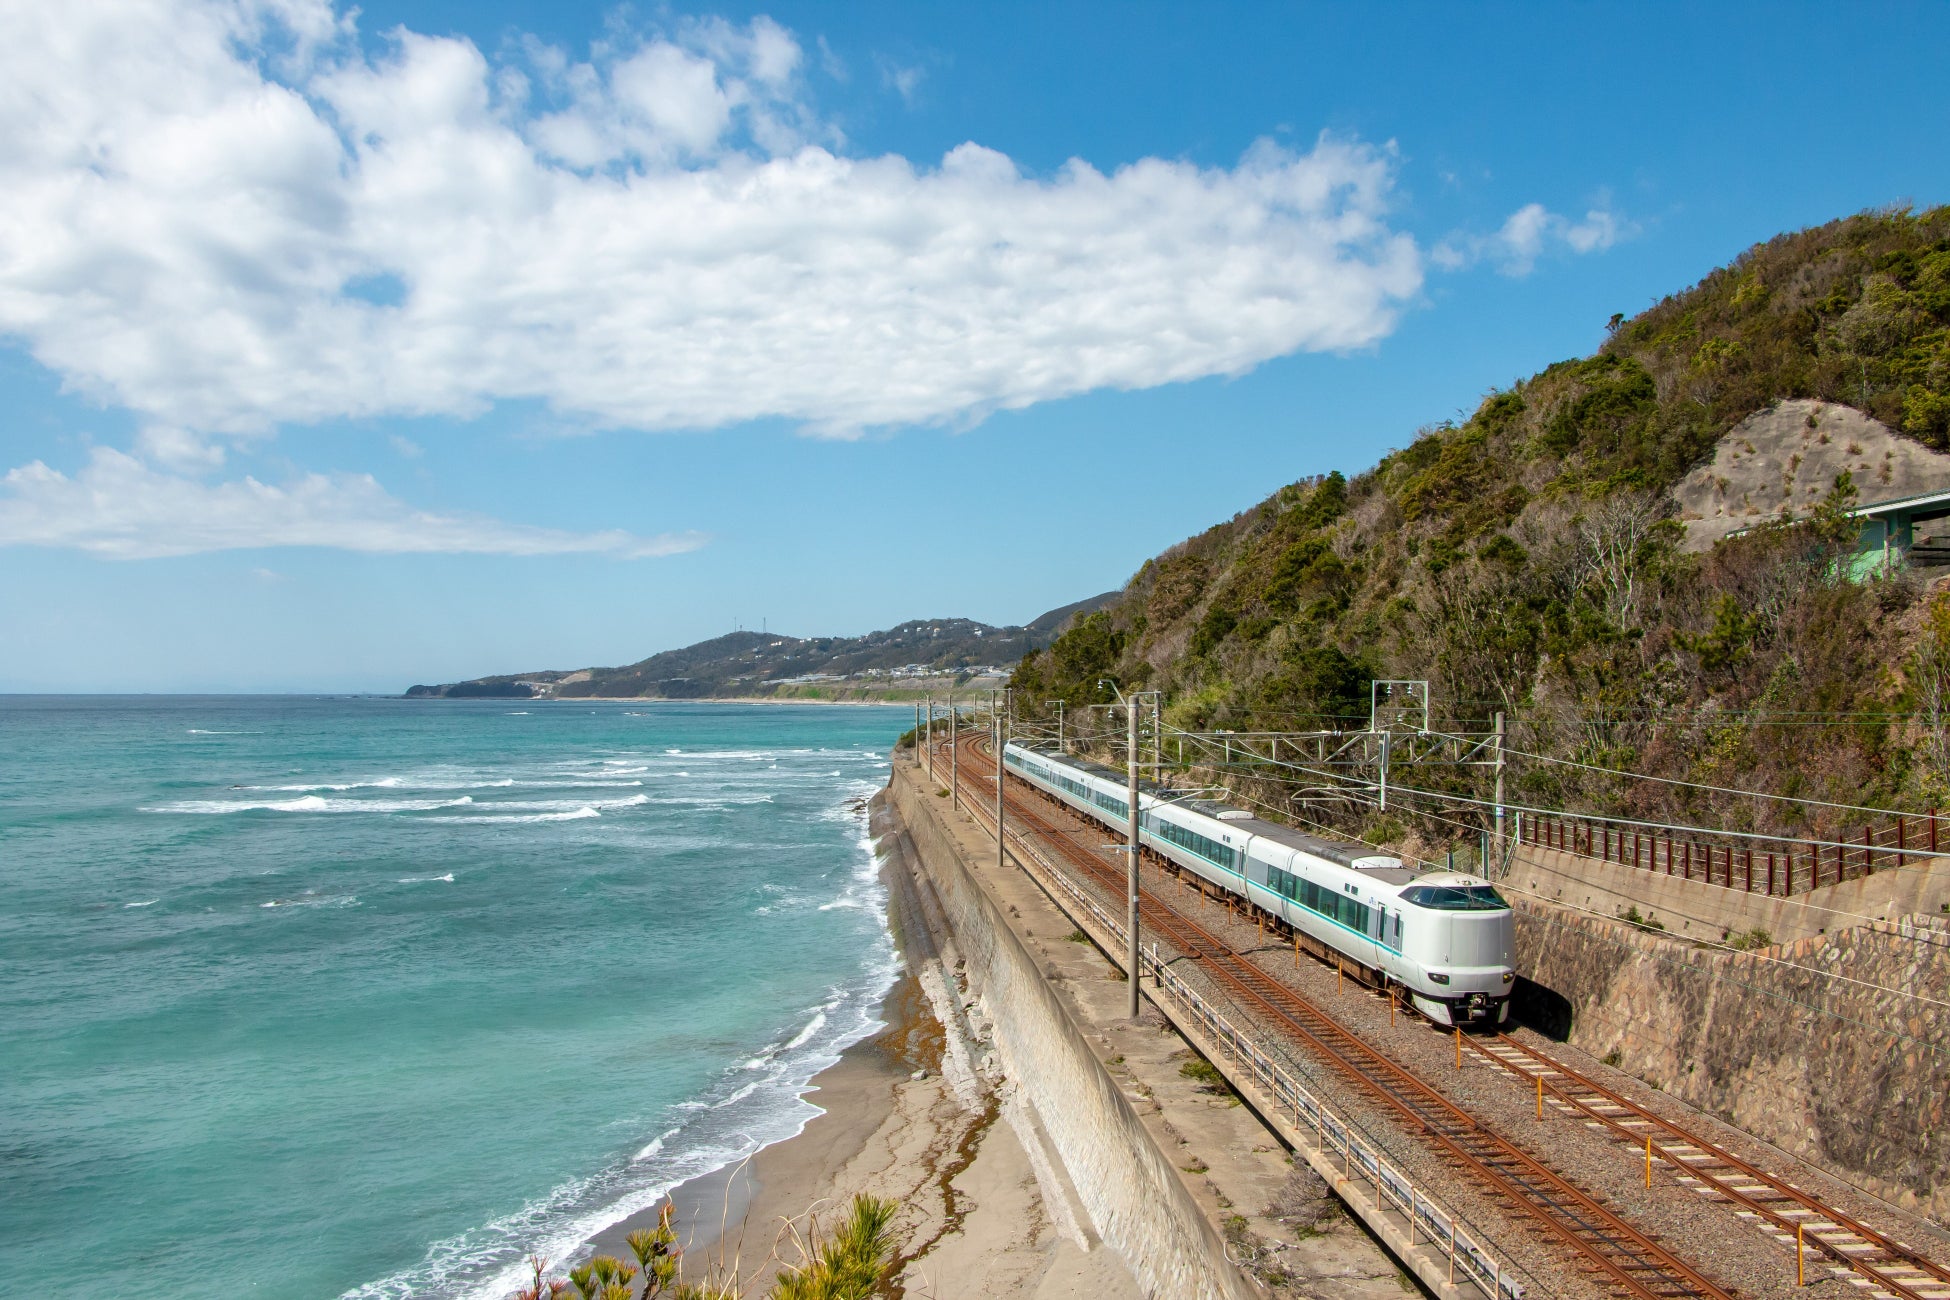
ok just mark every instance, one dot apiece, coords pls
pixel 847 1262
pixel 1527 561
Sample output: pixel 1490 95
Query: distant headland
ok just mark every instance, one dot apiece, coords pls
pixel 903 661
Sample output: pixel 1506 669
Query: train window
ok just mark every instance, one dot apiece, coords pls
pixel 1209 849
pixel 1456 898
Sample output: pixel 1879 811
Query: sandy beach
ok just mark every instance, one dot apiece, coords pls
pixel 733 1217
pixel 907 1114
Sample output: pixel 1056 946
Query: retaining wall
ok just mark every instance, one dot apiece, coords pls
pixel 1697 910
pixel 1835 1047
pixel 1133 1196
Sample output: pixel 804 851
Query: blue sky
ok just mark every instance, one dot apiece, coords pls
pixel 341 353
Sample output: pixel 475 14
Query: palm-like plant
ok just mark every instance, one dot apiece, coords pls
pixel 849 1264
pixel 656 1252
pixel 542 1288
pixel 846 1265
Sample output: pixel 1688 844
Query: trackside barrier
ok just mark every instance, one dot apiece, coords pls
pixel 1776 866
pixel 1426 1219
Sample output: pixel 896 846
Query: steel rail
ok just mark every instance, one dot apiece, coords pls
pixel 1762 1194
pixel 1633 1261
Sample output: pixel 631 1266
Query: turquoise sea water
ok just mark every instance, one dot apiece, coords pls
pixel 322 997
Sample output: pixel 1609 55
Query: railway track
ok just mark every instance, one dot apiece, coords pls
pixel 1879 1265
pixel 1602 1242
pixel 1883 1268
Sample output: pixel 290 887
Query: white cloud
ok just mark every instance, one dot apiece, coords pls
pixel 663 235
pixel 121 508
pixel 178 448
pixel 1530 233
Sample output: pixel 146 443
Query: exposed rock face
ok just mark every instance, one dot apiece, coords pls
pixel 1782 461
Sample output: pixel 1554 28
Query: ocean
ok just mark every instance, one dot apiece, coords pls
pixel 372 998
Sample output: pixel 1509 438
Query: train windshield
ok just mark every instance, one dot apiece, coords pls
pixel 1456 898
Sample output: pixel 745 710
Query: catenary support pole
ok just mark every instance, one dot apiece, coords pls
pixel 1383 802
pixel 1131 903
pixel 1502 854
pixel 930 736
pixel 1001 739
pixel 1158 736
pixel 1061 748
pixel 954 758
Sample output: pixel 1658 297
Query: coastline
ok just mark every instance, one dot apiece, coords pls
pixel 913 1113
pixel 730 1219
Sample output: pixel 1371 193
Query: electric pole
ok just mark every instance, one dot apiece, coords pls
pixel 954 758
pixel 1499 795
pixel 1060 747
pixel 1131 911
pixel 930 736
pixel 1000 699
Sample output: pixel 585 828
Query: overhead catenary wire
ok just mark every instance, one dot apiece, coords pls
pixel 1713 789
pixel 1511 751
pixel 1508 805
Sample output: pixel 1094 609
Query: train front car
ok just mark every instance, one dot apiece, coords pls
pixel 1458 940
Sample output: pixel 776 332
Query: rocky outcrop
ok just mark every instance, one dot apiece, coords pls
pixel 1782 461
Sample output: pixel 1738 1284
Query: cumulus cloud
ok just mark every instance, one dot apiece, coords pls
pixel 226 215
pixel 1527 235
pixel 123 508
pixel 179 448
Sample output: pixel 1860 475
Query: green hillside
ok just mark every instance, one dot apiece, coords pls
pixel 1527 560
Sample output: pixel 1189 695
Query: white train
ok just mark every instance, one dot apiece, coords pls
pixel 1444 937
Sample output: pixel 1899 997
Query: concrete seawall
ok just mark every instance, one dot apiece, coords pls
pixel 1123 1182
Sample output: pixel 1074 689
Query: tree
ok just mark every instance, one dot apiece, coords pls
pixel 848 1263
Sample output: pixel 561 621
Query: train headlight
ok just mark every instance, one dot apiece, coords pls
pixel 1436 978
pixel 1509 975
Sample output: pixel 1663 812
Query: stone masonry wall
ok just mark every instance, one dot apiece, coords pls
pixel 1813 1045
pixel 1136 1201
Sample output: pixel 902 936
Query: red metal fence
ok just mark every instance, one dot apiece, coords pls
pixel 1773 866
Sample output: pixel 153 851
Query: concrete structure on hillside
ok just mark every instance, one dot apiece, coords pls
pixel 1779 463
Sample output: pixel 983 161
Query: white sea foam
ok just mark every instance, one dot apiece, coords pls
pixel 387 783
pixel 147 902
pixel 559 805
pixel 426 880
pixel 656 1144
pixel 580 814
pixel 737 1117
pixel 310 803
pixel 308 900
pixel 813 1026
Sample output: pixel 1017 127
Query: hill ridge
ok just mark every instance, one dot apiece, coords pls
pixel 748 663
